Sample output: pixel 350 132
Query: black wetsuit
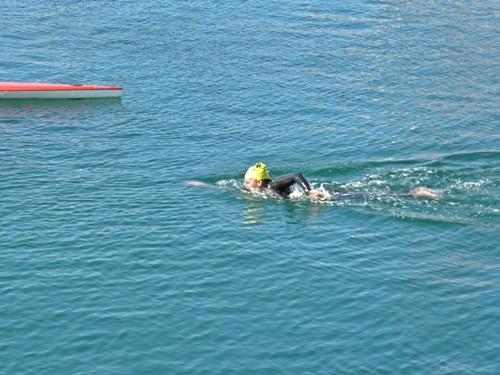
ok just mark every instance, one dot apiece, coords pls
pixel 283 184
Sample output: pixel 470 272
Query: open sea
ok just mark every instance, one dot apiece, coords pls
pixel 111 263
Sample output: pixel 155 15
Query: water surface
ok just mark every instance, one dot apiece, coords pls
pixel 112 264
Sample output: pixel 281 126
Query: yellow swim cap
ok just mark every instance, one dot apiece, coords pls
pixel 258 171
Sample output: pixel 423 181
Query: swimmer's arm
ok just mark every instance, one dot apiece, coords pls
pixel 286 181
pixel 282 185
pixel 198 184
pixel 314 194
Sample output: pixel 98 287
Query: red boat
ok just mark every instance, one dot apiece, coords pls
pixel 36 90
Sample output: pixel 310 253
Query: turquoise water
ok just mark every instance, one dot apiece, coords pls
pixel 111 264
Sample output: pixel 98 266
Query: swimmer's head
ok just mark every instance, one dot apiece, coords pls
pixel 257 176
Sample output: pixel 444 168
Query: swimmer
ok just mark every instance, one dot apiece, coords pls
pixel 257 178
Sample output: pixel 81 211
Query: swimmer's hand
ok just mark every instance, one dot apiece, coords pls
pixel 422 192
pixel 316 194
pixel 197 183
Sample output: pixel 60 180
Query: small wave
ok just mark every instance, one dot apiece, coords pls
pixel 443 218
pixel 428 162
pixel 472 156
pixel 360 166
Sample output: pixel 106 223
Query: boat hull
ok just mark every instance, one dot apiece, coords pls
pixel 26 90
